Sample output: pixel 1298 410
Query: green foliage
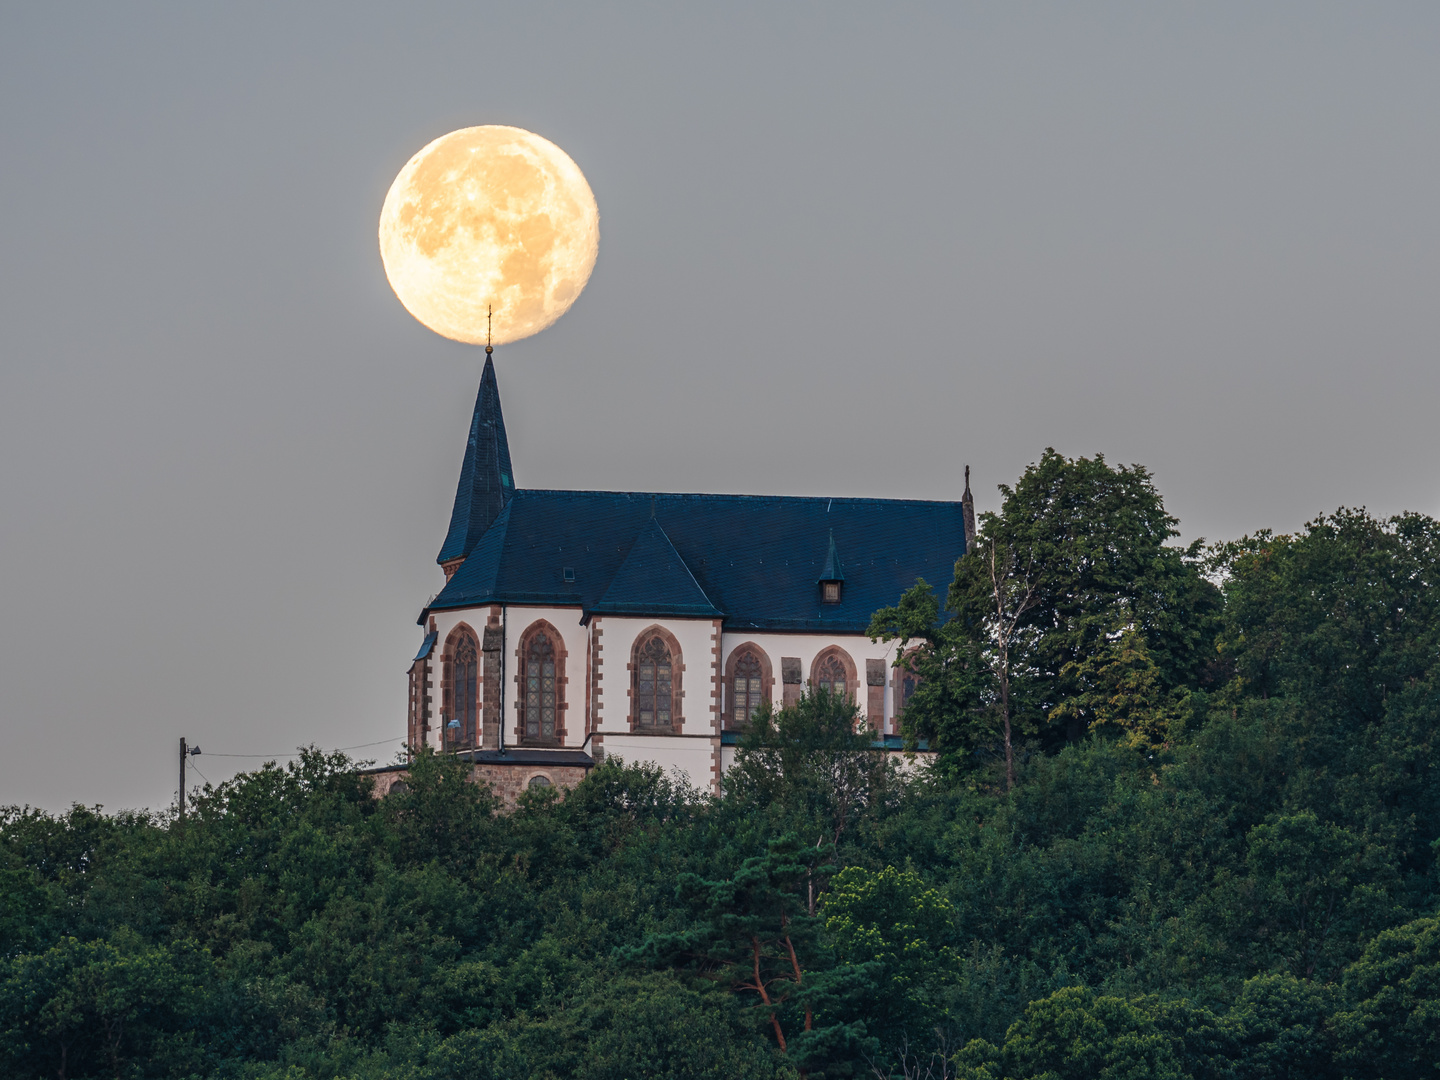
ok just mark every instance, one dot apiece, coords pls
pixel 950 707
pixel 1393 1025
pixel 1093 538
pixel 809 768
pixel 1217 858
pixel 1075 1035
pixel 1119 688
pixel 82 1007
pixel 892 921
pixel 1070 608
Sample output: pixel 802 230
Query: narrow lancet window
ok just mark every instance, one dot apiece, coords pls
pixel 464 683
pixel 830 676
pixel 540 692
pixel 746 689
pixel 654 682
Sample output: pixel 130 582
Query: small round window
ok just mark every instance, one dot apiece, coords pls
pixel 540 782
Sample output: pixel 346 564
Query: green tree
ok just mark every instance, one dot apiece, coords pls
pixel 1119 689
pixel 1077 556
pixel 1336 632
pixel 749 932
pixel 1392 1029
pixel 891 919
pixel 1092 540
pixel 1075 1035
pixel 811 767
pixel 82 1008
pixel 1283 1028
pixel 948 706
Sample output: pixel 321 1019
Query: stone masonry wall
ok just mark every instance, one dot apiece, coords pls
pixel 506 781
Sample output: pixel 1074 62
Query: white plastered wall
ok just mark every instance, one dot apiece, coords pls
pixel 692 757
pixel 807 647
pixel 516 619
pixel 691 750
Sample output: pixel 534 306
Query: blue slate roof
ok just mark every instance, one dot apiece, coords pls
pixel 654 580
pixel 756 559
pixel 427 645
pixel 832 570
pixel 486 477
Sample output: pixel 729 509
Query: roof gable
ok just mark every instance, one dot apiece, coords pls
pixel 654 580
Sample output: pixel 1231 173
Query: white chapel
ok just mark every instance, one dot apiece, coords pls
pixel 579 625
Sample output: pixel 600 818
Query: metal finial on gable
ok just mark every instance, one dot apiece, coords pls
pixel 967 512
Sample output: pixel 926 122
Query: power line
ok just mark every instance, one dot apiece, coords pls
pixel 358 746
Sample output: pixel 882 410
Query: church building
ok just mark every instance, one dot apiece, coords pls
pixel 579 625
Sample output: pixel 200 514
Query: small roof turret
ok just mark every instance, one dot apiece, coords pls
pixel 832 575
pixel 832 570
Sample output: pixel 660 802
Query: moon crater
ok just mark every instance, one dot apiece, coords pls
pixel 488 217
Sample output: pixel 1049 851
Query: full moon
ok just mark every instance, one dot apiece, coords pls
pixel 489 217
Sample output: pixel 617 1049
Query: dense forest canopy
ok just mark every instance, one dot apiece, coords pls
pixel 1183 821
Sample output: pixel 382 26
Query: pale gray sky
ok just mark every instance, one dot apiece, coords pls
pixel 845 249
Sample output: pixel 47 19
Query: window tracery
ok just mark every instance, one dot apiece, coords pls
pixel 654 685
pixel 830 675
pixel 541 689
pixel 746 689
pixel 462 684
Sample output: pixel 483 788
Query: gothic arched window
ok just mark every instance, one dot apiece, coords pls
pixel 463 686
pixel 830 675
pixel 746 688
pixel 541 689
pixel 906 680
pixel 654 684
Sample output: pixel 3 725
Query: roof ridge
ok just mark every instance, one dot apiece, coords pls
pixel 736 496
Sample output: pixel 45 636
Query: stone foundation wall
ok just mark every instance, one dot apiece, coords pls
pixel 506 781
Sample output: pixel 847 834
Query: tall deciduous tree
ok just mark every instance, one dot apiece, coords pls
pixel 1078 555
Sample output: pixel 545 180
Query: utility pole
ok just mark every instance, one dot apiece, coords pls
pixel 185 752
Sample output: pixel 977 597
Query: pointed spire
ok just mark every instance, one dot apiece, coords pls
pixel 486 479
pixel 967 504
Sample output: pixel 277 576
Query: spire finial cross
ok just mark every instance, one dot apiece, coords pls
pixel 489 315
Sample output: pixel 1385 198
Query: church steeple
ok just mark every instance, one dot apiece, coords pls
pixel 486 479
